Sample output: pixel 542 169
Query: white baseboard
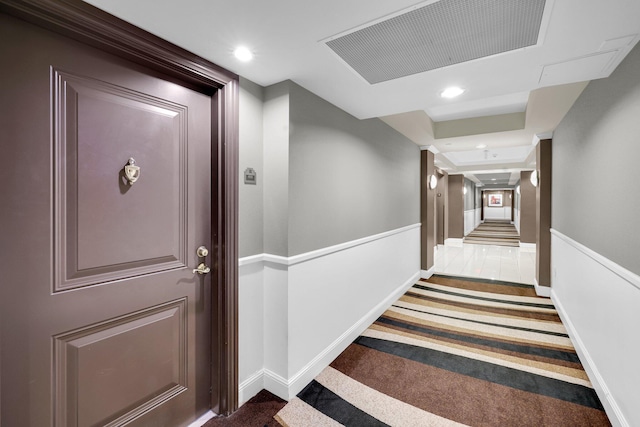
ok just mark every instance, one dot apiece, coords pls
pixel 611 407
pixel 250 387
pixel 527 247
pixel 425 274
pixel 313 368
pixel 453 242
pixel 276 384
pixel 203 419
pixel 541 291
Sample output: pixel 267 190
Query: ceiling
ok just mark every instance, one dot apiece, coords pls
pixel 522 63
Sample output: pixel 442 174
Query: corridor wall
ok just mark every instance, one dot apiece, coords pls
pixel 595 243
pixel 340 233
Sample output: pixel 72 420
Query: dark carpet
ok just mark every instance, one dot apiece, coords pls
pixel 257 412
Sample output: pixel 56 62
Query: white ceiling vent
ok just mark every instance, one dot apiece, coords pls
pixel 439 34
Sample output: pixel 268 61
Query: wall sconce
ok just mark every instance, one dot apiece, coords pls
pixel 464 190
pixel 535 178
pixel 518 189
pixel 433 181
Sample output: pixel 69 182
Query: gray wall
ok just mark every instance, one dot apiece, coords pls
pixel 276 170
pixel 428 215
pixel 323 176
pixel 596 149
pixel 470 197
pixel 250 197
pixel 348 178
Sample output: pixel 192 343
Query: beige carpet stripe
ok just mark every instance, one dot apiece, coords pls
pixel 467 283
pixel 516 360
pixel 475 329
pixel 298 413
pixel 383 407
pixel 474 333
pixel 472 309
pixel 519 322
pixel 373 333
pixel 471 293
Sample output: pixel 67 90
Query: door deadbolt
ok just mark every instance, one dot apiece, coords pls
pixel 202 252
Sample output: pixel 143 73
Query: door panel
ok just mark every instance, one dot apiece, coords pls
pixel 111 372
pixel 97 128
pixel 103 320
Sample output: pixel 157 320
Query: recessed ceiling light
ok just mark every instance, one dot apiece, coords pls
pixel 243 54
pixel 481 146
pixel 493 179
pixel 452 92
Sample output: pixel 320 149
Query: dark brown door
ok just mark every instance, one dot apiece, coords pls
pixel 513 202
pixel 104 321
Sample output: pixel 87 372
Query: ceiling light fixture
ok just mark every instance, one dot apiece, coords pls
pixel 243 54
pixel 452 92
pixel 481 146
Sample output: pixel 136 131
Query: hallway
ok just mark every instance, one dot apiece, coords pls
pixel 487 261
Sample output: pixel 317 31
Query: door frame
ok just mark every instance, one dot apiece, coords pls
pixel 90 25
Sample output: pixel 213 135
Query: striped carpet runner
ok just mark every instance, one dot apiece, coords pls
pixel 501 233
pixel 454 352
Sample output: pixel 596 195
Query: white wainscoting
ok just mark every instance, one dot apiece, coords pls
pixel 469 221
pixel 497 213
pixel 516 219
pixel 315 304
pixel 250 329
pixel 478 217
pixel 598 301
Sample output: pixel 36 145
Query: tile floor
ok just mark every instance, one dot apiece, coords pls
pixel 487 261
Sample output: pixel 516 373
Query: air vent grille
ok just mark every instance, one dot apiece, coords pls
pixel 439 34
